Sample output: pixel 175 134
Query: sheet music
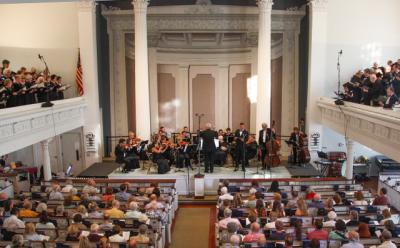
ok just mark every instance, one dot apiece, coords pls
pixel 216 142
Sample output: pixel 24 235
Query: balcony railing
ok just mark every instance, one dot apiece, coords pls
pixel 374 127
pixel 26 125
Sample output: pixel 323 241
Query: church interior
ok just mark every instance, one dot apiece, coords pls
pixel 200 123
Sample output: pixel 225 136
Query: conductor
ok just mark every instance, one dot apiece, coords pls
pixel 209 148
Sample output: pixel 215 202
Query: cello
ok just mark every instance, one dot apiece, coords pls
pixel 273 147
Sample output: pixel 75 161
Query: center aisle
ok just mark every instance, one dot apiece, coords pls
pixel 194 227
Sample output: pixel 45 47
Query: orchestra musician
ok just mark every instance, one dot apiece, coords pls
pixel 222 151
pixel 264 136
pixel 241 136
pixel 162 149
pixel 209 148
pixel 132 154
pixel 183 156
pixel 295 139
pixel 120 152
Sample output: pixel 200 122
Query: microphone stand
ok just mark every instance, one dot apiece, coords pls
pixel 244 155
pixel 338 69
pixel 47 104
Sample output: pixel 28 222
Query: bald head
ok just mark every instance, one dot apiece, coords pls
pixel 208 125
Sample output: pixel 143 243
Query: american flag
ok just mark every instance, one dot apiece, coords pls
pixel 78 76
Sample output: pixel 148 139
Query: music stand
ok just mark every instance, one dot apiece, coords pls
pixel 142 154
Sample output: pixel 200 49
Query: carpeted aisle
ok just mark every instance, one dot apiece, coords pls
pixel 191 228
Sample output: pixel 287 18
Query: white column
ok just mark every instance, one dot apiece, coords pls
pixel 46 159
pixel 263 113
pixel 222 97
pixel 182 94
pixel 88 52
pixel 142 98
pixel 253 80
pixel 350 158
pixel 153 80
pixel 317 67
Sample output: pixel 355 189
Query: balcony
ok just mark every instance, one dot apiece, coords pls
pixel 374 127
pixel 27 125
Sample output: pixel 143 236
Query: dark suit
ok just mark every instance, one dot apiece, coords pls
pixel 263 142
pixel 295 139
pixel 119 154
pixel 183 156
pixel 241 138
pixel 209 148
pixel 391 101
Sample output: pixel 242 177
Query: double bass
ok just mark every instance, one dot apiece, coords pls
pixel 273 147
pixel 304 153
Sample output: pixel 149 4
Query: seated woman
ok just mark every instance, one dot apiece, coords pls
pixel 363 231
pixel 277 211
pixel 353 219
pixel 386 216
pixel 31 235
pixel 108 196
pixel 274 187
pixel 44 221
pixel 302 209
pixel 252 199
pixel 359 201
pixel 93 211
pixel 118 234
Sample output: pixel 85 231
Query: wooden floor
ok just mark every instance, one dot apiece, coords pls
pixel 194 227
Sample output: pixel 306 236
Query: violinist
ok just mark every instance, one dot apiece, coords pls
pixel 132 155
pixel 132 143
pixel 296 140
pixel 183 150
pixel 264 136
pixel 162 149
pixel 120 152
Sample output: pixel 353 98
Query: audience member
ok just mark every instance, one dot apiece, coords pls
pixel 94 235
pixel 115 212
pixel 340 231
pixel 31 235
pixel 254 233
pixel 331 219
pixel 363 230
pixel 387 240
pixel 381 199
pixel 27 211
pixel 318 233
pixel 228 218
pixel 44 221
pixel 359 201
pixel 354 241
pixel 142 237
pixel 123 194
pixel 279 233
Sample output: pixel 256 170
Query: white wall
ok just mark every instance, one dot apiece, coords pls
pixel 50 29
pixel 366 30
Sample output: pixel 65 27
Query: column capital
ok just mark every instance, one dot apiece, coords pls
pixel 318 5
pixel 87 5
pixel 46 142
pixel 265 5
pixel 140 5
